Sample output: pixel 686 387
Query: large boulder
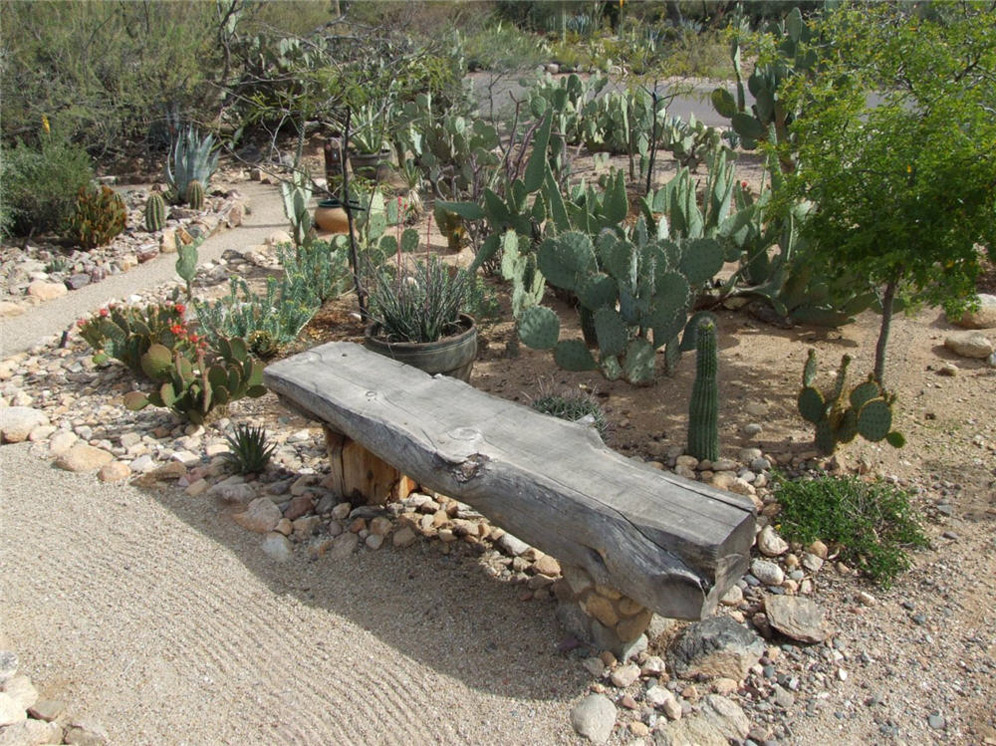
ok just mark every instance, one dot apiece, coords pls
pixel 973 344
pixel 982 318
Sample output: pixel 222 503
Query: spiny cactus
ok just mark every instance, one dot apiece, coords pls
pixel 186 262
pixel 155 213
pixel 703 408
pixel 193 388
pixel 865 411
pixel 195 195
pixel 100 215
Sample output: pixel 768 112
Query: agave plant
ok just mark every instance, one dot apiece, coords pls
pixel 250 452
pixel 192 158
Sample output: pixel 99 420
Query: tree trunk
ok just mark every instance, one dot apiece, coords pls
pixel 888 300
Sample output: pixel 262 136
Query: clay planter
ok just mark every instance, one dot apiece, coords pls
pixel 330 217
pixel 452 356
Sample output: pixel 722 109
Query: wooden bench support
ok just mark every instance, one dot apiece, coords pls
pixel 671 545
pixel 359 475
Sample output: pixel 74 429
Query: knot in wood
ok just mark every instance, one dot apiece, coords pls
pixel 470 468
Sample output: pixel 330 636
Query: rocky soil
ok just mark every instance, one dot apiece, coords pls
pixel 802 651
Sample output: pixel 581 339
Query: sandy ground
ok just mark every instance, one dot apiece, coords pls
pixel 161 621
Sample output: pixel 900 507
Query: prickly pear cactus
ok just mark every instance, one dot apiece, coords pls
pixel 865 410
pixel 703 409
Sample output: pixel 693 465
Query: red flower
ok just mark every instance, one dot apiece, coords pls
pixel 180 308
pixel 743 184
pixel 103 312
pixel 177 329
pixel 81 323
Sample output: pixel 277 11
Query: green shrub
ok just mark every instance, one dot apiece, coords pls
pixel 99 216
pixel 40 185
pixel 872 522
pixel 250 452
pixel 572 406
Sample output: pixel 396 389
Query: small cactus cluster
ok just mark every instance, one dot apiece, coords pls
pixel 100 215
pixel 155 213
pixel 195 195
pixel 125 333
pixel 703 408
pixel 866 410
pixel 639 292
pixel 193 388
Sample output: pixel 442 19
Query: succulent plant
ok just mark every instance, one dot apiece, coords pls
pixel 194 388
pixel 195 195
pixel 125 333
pixel 192 158
pixel 100 215
pixel 249 452
pixel 155 213
pixel 186 262
pixel 703 407
pixel 866 410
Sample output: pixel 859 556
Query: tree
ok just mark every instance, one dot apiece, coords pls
pixel 896 144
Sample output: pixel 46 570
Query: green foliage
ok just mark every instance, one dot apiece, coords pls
pixel 703 407
pixel 192 158
pixel 904 185
pixel 572 406
pixel 125 333
pixel 41 185
pixel 840 414
pixel 502 48
pixel 155 213
pixel 186 261
pixel 193 384
pixel 872 523
pixel 421 306
pixel 99 216
pixel 319 267
pixel 297 197
pixel 249 452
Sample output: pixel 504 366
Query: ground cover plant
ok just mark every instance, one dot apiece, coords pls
pixel 872 523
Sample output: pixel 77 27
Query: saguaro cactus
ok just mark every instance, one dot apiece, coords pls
pixel 703 408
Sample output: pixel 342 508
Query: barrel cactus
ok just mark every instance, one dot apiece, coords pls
pixel 155 213
pixel 703 409
pixel 195 195
pixel 866 410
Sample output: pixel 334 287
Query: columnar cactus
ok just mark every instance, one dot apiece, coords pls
pixel 866 411
pixel 703 408
pixel 195 195
pixel 155 213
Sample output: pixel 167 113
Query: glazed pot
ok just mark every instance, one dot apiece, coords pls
pixel 452 356
pixel 330 217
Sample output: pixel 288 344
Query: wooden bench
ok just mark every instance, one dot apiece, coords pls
pixel 618 528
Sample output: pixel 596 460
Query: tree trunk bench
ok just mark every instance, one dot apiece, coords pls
pixel 632 539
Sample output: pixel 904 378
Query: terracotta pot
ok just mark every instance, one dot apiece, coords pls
pixel 330 217
pixel 452 356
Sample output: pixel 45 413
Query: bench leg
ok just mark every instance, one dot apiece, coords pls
pixel 358 474
pixel 601 616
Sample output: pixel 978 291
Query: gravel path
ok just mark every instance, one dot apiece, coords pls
pixel 161 621
pixel 53 317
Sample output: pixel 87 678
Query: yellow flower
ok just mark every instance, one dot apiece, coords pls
pixel 909 169
pixel 48 130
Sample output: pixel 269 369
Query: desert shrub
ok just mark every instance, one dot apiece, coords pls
pixel 872 523
pixel 98 217
pixel 572 406
pixel 40 185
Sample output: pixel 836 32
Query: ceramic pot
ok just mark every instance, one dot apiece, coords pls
pixel 330 217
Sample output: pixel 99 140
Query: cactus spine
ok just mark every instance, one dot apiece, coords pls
pixel 155 213
pixel 195 195
pixel 703 409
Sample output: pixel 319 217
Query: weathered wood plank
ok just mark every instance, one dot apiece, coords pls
pixel 673 545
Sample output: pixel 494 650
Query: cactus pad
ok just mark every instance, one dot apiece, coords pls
pixel 875 420
pixel 809 371
pixel 610 331
pixel 539 328
pixel 639 363
pixel 564 259
pixel 864 393
pixel 812 405
pixel 572 354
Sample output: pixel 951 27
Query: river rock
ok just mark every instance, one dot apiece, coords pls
pixel 983 318
pixel 16 423
pixel 770 543
pixel 261 516
pixel 47 290
pixel 716 647
pixel 278 547
pixel 83 457
pixel 796 617
pixel 973 344
pixel 594 717
pixel 115 471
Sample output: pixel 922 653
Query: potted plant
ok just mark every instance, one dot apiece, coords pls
pixel 367 140
pixel 418 319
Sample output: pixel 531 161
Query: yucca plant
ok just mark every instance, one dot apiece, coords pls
pixel 250 452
